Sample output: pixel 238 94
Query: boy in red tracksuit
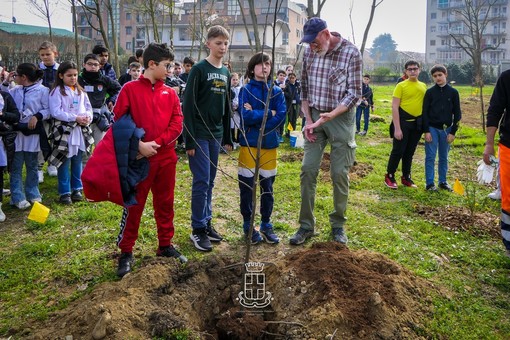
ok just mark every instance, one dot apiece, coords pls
pixel 154 107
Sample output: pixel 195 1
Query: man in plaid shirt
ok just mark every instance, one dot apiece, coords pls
pixel 331 86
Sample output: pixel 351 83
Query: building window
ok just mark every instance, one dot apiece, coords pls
pixel 432 29
pixel 285 38
pixel 83 19
pixel 442 4
pixel 233 7
pixel 184 34
pixel 129 30
pixel 128 15
pixel 140 33
pixel 129 46
pixel 432 43
pixel 238 36
pixel 433 16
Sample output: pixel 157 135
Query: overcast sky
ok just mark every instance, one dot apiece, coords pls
pixel 403 19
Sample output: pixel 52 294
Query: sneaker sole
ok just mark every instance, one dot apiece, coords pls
pixel 214 239
pixel 195 243
pixel 394 188
pixel 268 240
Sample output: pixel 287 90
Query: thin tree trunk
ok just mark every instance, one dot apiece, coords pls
pixel 75 25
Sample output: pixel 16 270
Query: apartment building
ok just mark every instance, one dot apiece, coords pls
pixel 444 19
pixel 182 24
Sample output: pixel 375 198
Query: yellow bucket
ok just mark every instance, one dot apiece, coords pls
pixel 39 213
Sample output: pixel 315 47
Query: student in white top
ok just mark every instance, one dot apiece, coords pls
pixel 71 109
pixel 31 98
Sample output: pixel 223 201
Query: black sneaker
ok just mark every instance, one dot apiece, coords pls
pixel 213 235
pixel 126 261
pixel 65 199
pixel 170 251
pixel 201 240
pixel 445 186
pixel 300 236
pixel 77 196
pixel 431 187
pixel 339 235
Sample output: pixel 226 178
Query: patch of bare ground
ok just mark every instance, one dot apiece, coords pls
pixel 461 219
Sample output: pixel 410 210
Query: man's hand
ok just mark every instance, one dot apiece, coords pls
pixel 487 153
pixel 309 135
pixel 227 147
pixel 148 149
pixel 450 138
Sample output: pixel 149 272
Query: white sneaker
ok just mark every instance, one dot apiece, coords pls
pixel 37 199
pixel 495 195
pixel 22 205
pixel 6 192
pixel 52 171
pixel 40 175
pixel 2 215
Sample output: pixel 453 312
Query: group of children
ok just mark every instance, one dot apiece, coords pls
pixel 417 110
pixel 77 103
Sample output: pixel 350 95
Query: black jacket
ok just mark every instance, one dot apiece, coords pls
pixel 10 116
pixel 441 108
pixel 99 88
pixel 499 106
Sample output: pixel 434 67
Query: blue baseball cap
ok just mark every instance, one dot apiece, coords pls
pixel 312 28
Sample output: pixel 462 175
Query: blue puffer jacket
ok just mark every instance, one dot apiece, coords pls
pixel 255 93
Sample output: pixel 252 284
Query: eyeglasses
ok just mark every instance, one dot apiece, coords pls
pixel 412 68
pixel 168 66
pixel 92 64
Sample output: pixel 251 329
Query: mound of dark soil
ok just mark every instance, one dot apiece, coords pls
pixel 320 291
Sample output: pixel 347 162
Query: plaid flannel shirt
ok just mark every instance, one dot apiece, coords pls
pixel 327 82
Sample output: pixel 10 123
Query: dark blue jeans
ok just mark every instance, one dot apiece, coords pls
pixel 266 197
pixel 365 111
pixel 203 166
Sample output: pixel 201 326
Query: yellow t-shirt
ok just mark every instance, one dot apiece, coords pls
pixel 411 95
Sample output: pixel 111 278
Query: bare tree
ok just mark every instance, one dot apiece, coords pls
pixel 255 26
pixel 75 27
pixel 43 9
pixel 475 17
pixel 310 7
pixel 149 9
pixel 375 3
pixel 94 9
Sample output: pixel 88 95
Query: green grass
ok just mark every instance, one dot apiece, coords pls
pixel 44 267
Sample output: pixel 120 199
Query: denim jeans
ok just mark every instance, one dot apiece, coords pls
pixel 365 111
pixel 203 167
pixel 31 191
pixel 266 197
pixel 439 144
pixel 70 182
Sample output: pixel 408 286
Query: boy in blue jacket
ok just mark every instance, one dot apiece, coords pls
pixel 252 104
